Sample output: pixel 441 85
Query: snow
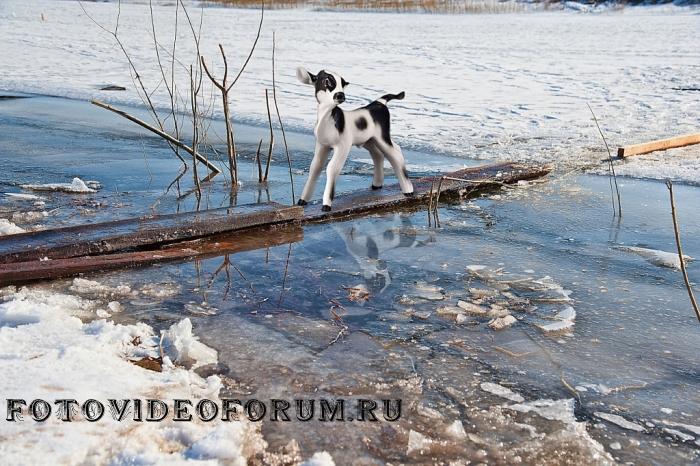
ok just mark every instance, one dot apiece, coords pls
pixel 42 341
pixel 9 228
pixel 76 186
pixel 320 458
pixel 471 89
pixel 185 348
pixel 656 257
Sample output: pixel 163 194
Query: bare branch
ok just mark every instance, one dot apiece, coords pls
pixel 694 303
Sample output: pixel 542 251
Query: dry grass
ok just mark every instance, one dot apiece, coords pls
pixel 423 6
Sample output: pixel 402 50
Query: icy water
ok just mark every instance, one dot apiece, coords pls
pixel 368 308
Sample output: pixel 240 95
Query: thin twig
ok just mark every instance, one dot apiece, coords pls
pixel 160 133
pixel 194 90
pixel 279 118
pixel 611 165
pixel 257 159
pixel 252 49
pixel 694 303
pixel 437 202
pixel 430 202
pixel 135 76
pixel 272 137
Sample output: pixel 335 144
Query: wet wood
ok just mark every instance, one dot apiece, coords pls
pixel 121 235
pixel 468 182
pixel 661 144
pixel 229 243
pixel 121 244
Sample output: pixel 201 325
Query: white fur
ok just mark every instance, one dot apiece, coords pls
pixel 328 137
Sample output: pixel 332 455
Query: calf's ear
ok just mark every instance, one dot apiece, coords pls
pixel 304 76
pixel 344 82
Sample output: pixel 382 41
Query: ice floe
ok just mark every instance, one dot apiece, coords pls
pixel 76 186
pixel 656 257
pixel 620 421
pixel 9 228
pixel 503 392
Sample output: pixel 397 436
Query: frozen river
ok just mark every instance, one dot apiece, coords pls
pixel 495 87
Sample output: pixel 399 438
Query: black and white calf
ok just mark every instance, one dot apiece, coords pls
pixel 337 129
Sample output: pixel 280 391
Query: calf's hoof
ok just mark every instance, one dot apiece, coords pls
pixel 301 202
pixel 326 208
pixel 409 194
pixel 374 188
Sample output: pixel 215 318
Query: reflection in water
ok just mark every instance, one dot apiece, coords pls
pixel 369 240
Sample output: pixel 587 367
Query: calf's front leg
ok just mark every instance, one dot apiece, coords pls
pixel 319 160
pixel 335 166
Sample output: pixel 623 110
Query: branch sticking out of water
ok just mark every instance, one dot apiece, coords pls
pixel 611 166
pixel 272 137
pixel 694 303
pixel 279 118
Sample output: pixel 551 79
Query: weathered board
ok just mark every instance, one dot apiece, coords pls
pixel 121 235
pixel 660 144
pixel 475 180
pixel 220 245
pixel 121 244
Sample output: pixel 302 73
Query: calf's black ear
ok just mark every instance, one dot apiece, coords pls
pixel 344 82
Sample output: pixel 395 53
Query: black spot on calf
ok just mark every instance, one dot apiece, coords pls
pixel 361 123
pixel 339 118
pixel 380 115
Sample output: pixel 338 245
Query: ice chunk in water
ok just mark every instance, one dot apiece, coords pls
pixel 620 421
pixel 9 228
pixel 656 257
pixel 501 391
pixel 76 186
pixel 321 458
pixel 184 348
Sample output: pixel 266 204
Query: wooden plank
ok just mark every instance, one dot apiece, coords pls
pixel 229 243
pixel 258 226
pixel 478 180
pixel 120 235
pixel 661 144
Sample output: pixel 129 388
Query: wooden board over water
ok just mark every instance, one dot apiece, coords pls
pixel 144 241
pixel 121 235
pixel 219 245
pixel 476 180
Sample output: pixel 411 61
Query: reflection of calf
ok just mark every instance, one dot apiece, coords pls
pixel 370 239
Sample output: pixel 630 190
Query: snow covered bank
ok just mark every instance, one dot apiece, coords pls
pixel 47 352
pixel 480 86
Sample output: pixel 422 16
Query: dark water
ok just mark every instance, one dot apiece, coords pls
pixel 292 321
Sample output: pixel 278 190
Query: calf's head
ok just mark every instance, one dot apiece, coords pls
pixel 329 86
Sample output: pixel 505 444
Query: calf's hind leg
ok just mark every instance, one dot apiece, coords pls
pixel 395 157
pixel 378 160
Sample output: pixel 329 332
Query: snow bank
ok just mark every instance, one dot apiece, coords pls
pixel 77 186
pixel 9 228
pixel 47 352
pixel 527 105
